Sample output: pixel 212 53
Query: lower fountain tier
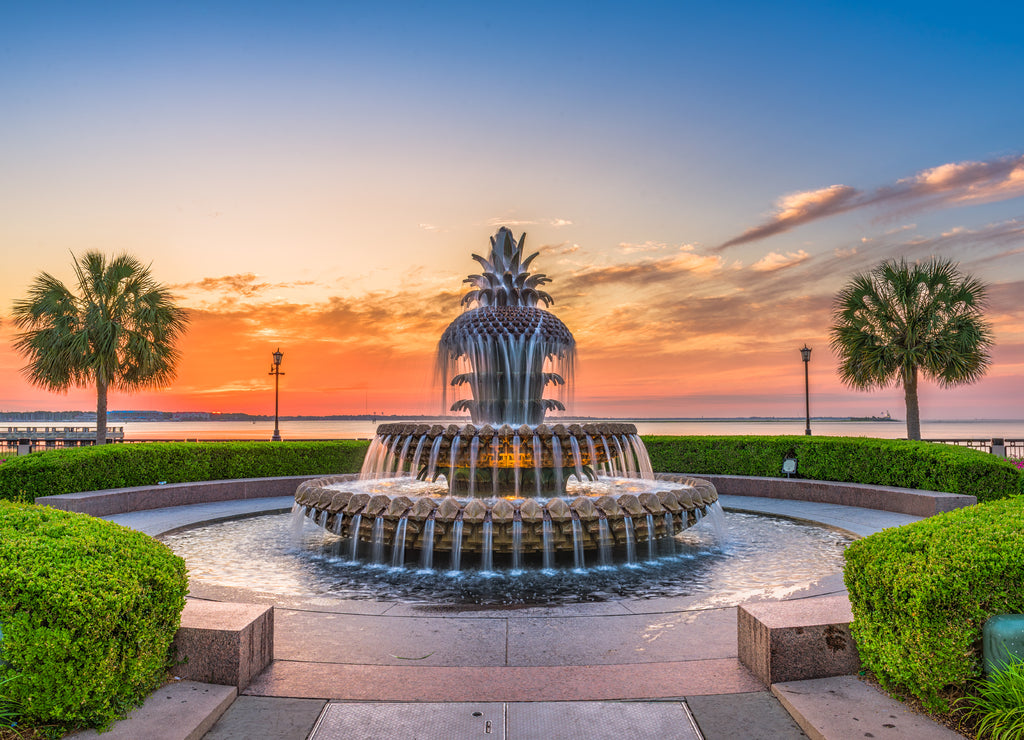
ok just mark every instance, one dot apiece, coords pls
pixel 524 461
pixel 559 524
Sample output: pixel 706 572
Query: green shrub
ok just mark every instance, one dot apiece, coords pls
pixel 922 593
pixel 88 610
pixel 123 465
pixel 882 462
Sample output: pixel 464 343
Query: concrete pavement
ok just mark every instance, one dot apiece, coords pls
pixel 400 670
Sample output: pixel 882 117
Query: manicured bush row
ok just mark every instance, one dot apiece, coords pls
pixel 89 610
pixel 881 462
pixel 922 593
pixel 122 465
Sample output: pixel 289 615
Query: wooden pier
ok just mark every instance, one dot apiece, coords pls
pixel 29 439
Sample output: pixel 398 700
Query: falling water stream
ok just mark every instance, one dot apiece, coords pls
pixel 524 501
pixel 756 556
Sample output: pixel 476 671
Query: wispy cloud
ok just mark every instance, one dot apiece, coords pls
pixel 648 271
pixel 247 284
pixel 799 208
pixel 648 246
pixel 963 182
pixel 952 184
pixel 556 222
pixel 237 387
pixel 775 261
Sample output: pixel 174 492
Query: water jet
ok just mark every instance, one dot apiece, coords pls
pixel 506 487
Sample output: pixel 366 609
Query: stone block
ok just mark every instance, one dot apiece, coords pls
pixel 884 498
pixel 142 498
pixel 796 640
pixel 224 643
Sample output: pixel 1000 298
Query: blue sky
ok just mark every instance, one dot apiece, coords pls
pixel 699 180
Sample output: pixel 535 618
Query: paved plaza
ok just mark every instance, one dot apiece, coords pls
pixel 658 667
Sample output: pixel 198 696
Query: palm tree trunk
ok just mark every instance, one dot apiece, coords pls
pixel 913 410
pixel 101 412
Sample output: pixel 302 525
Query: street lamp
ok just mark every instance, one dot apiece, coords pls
pixel 805 352
pixel 275 372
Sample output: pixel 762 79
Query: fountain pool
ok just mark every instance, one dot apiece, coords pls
pixel 291 559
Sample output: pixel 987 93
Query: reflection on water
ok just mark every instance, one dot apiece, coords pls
pixel 754 556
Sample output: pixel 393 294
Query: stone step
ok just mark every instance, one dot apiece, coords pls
pixel 181 710
pixel 844 707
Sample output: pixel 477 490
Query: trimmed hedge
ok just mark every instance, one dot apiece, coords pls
pixel 924 465
pixel 882 462
pixel 100 467
pixel 922 593
pixel 89 610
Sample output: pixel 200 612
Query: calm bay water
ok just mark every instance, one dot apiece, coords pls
pixel 213 430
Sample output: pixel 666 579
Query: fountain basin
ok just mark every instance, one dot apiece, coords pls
pixel 753 556
pixel 606 514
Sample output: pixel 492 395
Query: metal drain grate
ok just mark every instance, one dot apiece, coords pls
pixel 588 720
pixel 373 721
pixel 591 720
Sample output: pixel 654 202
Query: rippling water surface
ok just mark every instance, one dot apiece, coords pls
pixel 275 554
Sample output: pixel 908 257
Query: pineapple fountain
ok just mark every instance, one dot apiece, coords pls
pixel 507 486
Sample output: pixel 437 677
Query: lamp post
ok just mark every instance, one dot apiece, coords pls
pixel 275 372
pixel 805 352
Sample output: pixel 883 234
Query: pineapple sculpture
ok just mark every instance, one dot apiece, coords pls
pixel 507 471
pixel 505 349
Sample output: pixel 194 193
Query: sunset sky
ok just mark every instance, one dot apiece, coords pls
pixel 699 181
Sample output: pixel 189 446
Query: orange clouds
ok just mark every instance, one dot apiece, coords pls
pixel 774 261
pixel 957 183
pixel 662 330
pixel 799 208
pixel 966 182
pixel 645 272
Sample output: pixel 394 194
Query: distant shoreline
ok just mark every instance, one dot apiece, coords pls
pixel 190 417
pixel 80 417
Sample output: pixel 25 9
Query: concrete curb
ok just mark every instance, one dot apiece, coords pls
pixel 144 498
pixel 845 707
pixel 183 710
pixel 881 498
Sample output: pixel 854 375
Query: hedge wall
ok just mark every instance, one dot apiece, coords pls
pixel 123 465
pixel 922 593
pixel 924 465
pixel 89 610
pixel 885 462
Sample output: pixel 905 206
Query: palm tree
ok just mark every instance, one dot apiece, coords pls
pixel 117 331
pixel 900 319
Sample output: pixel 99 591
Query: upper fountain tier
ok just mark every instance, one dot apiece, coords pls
pixel 505 350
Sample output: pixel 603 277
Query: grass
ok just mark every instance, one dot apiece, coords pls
pixel 11 726
pixel 996 705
